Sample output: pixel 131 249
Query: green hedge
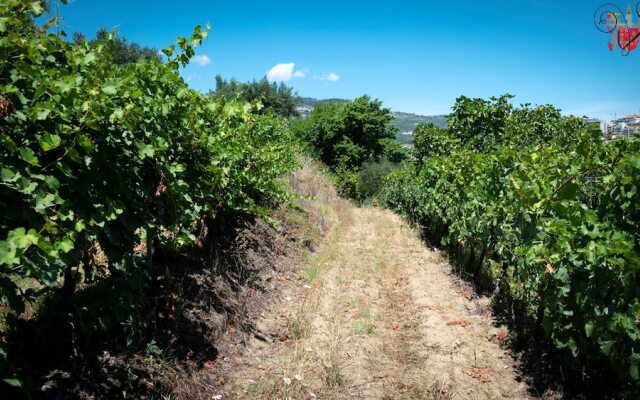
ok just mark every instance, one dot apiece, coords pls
pixel 554 218
pixel 95 151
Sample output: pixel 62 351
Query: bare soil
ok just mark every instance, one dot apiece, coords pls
pixel 371 314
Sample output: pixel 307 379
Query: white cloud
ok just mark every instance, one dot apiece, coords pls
pixel 332 76
pixel 284 72
pixel 300 73
pixel 202 60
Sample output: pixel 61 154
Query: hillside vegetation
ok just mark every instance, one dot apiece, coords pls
pixel 146 230
pixel 404 122
pixel 123 162
pixel 356 140
pixel 538 207
pixel 408 122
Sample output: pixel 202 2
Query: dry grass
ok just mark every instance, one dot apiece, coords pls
pixel 372 321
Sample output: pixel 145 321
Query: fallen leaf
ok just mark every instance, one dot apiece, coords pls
pixel 502 335
pixel 480 373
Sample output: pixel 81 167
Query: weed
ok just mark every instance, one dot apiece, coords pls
pixel 297 326
pixel 363 328
pixel 359 305
pixel 153 350
pixel 312 273
pixel 439 391
pixel 332 375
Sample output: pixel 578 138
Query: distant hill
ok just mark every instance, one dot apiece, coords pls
pixel 311 102
pixel 304 105
pixel 406 122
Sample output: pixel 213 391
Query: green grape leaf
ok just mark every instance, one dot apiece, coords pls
pixel 8 253
pixel 22 238
pixel 13 382
pixel 48 141
pixel 588 329
pixel 110 88
pixel 36 7
pixel 65 245
pixel 29 156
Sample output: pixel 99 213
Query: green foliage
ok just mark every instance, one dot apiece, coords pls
pixel 476 123
pixel 94 150
pixel 430 141
pixel 394 151
pixel 117 48
pixel 371 177
pixel 552 206
pixel 485 125
pixel 404 122
pixel 322 131
pixel 346 183
pixel 276 97
pixel 355 139
pixel 345 135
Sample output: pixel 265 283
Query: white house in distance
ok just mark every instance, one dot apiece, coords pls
pixel 626 126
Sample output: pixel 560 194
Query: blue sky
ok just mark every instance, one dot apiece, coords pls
pixel 416 56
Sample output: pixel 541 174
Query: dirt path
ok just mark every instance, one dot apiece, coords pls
pixel 374 315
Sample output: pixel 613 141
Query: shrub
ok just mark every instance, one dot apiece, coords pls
pixel 371 177
pixel 556 210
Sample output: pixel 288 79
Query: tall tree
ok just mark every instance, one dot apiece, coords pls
pixel 119 49
pixel 347 135
pixel 277 97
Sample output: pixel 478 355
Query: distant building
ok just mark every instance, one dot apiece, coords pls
pixel 626 126
pixel 604 126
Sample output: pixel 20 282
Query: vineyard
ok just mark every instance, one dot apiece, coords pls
pixel 119 158
pixel 122 191
pixel 539 207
